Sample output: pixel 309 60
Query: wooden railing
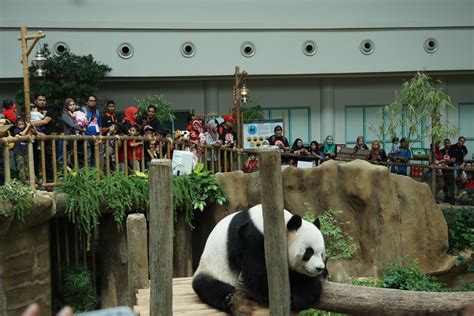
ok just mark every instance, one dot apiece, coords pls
pixel 50 157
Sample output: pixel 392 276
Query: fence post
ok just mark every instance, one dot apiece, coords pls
pixel 6 162
pixel 137 246
pixel 161 237
pixel 276 256
pixel 31 163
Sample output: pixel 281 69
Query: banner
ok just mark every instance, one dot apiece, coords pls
pixel 255 132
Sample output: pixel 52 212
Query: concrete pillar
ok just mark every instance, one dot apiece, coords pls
pixel 211 97
pixel 328 109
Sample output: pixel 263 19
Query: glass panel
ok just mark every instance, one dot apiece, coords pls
pixel 299 125
pixel 466 126
pixel 278 114
pixel 354 123
pixel 373 118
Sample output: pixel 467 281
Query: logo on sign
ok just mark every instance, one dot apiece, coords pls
pixel 252 129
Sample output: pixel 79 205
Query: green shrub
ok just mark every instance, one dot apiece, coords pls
pixel 84 195
pixel 339 244
pixel 192 191
pixel 367 282
pixel 79 292
pixel 460 228
pixel 19 195
pixel 405 275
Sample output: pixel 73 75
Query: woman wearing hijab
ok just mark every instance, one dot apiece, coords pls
pixel 329 150
pixel 130 118
pixel 298 149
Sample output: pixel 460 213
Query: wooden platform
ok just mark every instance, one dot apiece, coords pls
pixel 185 301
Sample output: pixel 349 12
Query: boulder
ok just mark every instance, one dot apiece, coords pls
pixel 389 215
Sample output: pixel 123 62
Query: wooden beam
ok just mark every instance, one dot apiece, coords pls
pixel 161 237
pixel 276 253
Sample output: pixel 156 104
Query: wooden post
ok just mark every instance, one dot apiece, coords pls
pixel 6 162
pixel 97 159
pixel 161 237
pixel 86 155
pixel 43 162
pixel 31 164
pixel 53 162
pixel 65 157
pixel 125 157
pixel 137 246
pixel 276 253
pixel 116 150
pixel 74 152
pixel 107 158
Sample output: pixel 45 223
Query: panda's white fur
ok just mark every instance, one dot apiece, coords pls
pixel 234 253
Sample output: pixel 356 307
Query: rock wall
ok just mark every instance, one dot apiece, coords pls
pixel 390 215
pixel 25 272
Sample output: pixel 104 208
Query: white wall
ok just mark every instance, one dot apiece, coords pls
pixel 157 29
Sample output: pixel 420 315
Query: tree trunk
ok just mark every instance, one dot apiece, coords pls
pixel 363 300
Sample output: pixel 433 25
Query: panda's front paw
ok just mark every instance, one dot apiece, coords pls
pixel 241 304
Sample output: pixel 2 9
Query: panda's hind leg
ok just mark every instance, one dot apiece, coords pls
pixel 213 292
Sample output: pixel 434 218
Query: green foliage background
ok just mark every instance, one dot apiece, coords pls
pixel 460 228
pixel 339 244
pixel 163 108
pixel 419 102
pixel 67 76
pixel 79 292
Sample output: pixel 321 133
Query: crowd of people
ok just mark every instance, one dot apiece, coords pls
pixel 90 120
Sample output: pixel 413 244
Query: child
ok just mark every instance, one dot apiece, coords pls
pixel 21 149
pixel 251 164
pixel 394 151
pixel 112 131
pixel 35 114
pixel 80 118
pixel 133 144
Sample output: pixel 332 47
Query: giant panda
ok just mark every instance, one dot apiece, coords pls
pixel 234 256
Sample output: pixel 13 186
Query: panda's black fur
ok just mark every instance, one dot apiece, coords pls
pixel 246 261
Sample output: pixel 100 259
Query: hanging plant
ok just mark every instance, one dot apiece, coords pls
pixel 20 197
pixel 192 192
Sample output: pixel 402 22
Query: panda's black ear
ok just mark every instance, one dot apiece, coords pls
pixel 294 223
pixel 317 223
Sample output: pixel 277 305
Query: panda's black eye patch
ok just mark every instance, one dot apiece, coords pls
pixel 308 254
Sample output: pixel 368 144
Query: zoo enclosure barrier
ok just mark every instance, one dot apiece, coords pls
pixel 49 158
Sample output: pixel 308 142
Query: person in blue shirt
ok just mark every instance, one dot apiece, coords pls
pixel 404 156
pixel 93 124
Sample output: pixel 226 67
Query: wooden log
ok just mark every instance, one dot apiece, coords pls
pixel 137 245
pixel 276 253
pixel 361 300
pixel 161 237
